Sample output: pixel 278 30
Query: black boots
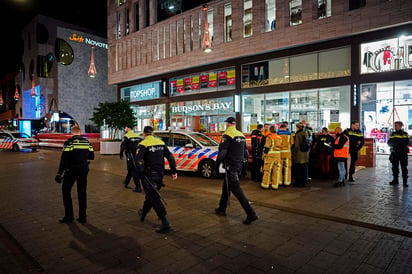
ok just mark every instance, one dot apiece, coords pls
pixel 165 226
pixel 338 184
pixel 142 214
pixel 351 179
pixel 405 182
pixel 395 181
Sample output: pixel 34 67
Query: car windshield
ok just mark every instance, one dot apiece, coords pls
pixel 20 135
pixel 203 139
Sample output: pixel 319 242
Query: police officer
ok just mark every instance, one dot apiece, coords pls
pixel 150 162
pixel 74 167
pixel 129 146
pixel 356 142
pixel 398 142
pixel 257 162
pixel 232 152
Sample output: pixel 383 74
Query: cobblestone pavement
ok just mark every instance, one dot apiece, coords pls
pixel 364 227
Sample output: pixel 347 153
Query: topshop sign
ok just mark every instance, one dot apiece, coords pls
pixel 142 92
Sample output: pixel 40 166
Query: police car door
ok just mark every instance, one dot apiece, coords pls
pixel 183 146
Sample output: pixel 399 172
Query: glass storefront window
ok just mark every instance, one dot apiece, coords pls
pixel 387 55
pixel 318 107
pixel 304 67
pixel 206 115
pixel 334 63
pixel 318 65
pixel 154 116
pixel 382 104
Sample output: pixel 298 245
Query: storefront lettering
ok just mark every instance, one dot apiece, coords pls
pixel 204 107
pixel 149 92
pixel 88 41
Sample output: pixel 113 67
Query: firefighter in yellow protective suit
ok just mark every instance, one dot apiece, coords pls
pixel 285 155
pixel 271 166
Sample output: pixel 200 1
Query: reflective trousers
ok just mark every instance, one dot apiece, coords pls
pixel 272 170
pixel 286 168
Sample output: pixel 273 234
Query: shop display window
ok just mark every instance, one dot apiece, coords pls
pixel 270 14
pixel 304 67
pixel 386 55
pixel 203 82
pixel 206 115
pixel 154 116
pixel 331 63
pixel 326 107
pixel 382 104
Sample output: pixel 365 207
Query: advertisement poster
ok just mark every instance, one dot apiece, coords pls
pixel 204 81
pixel 188 84
pixel 222 78
pixel 180 88
pixel 212 79
pixel 275 117
pixel 195 82
pixel 231 77
pixel 173 87
pixel 303 116
pixel 334 115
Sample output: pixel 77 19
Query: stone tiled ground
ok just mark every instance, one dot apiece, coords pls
pixel 364 227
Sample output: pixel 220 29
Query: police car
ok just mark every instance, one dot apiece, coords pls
pixel 193 151
pixel 17 141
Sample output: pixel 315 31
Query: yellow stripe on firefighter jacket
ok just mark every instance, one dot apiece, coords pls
pixel 273 143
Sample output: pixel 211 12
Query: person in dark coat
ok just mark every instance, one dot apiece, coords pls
pixel 300 159
pixel 129 147
pixel 74 167
pixel 323 147
pixel 398 142
pixel 257 162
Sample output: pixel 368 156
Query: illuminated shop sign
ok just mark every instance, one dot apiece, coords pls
pixel 87 41
pixel 387 55
pixel 203 82
pixel 221 105
pixel 142 92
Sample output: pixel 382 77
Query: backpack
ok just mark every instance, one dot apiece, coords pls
pixel 306 141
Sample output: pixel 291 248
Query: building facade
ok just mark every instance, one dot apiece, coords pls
pixel 327 62
pixel 59 83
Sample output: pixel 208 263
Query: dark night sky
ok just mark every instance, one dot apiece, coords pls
pixel 15 14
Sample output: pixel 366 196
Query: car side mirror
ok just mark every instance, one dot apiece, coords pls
pixel 190 145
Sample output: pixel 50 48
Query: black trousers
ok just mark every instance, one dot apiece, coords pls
pixel 353 158
pixel 132 173
pixel 152 182
pixel 301 173
pixel 78 175
pixel 402 159
pixel 257 164
pixel 232 184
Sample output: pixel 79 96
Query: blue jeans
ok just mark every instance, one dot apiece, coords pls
pixel 342 171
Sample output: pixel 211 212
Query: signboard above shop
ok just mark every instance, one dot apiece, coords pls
pixel 142 92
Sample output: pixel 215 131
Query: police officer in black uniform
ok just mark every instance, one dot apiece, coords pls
pixel 129 147
pixel 398 142
pixel 150 162
pixel 257 162
pixel 356 142
pixel 74 166
pixel 232 152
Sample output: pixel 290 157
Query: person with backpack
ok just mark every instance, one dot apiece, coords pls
pixel 300 155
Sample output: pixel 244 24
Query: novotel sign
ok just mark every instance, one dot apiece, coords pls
pixel 142 92
pixel 88 41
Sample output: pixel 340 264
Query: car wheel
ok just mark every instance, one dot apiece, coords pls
pixel 15 148
pixel 206 169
